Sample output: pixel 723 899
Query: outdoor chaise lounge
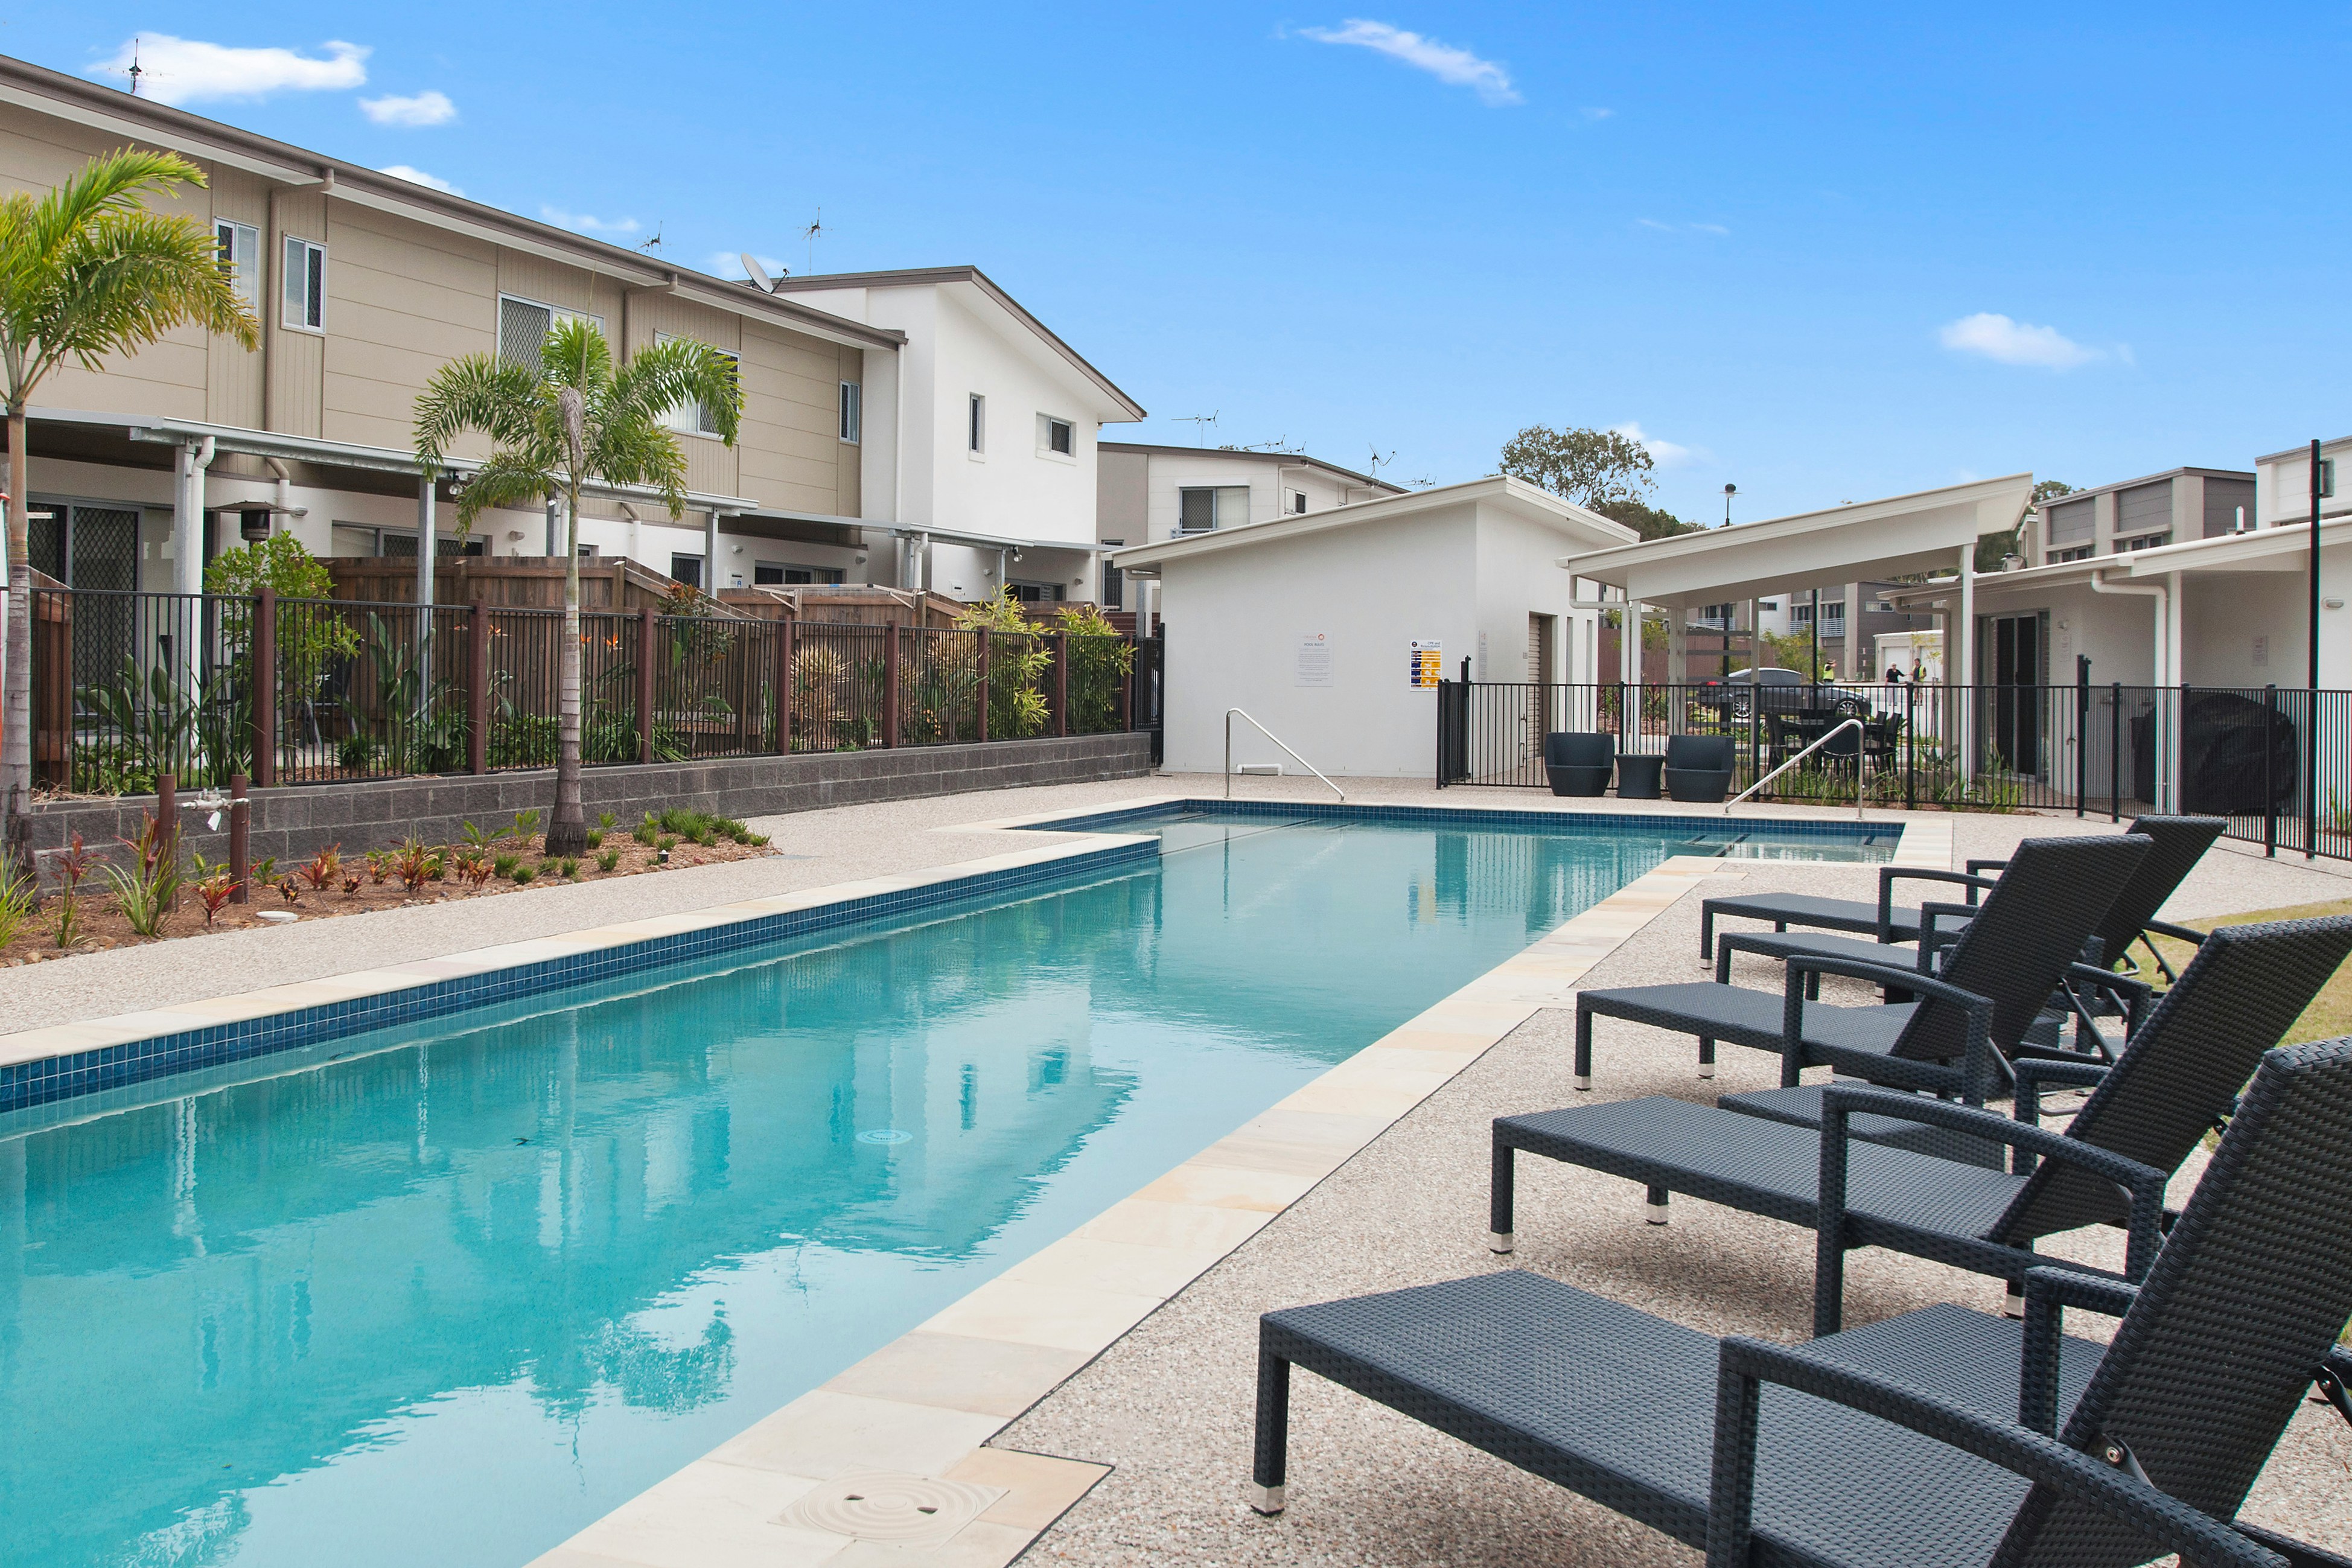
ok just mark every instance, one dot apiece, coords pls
pixel 1901 1444
pixel 1698 767
pixel 2177 844
pixel 2175 1081
pixel 1578 761
pixel 1990 987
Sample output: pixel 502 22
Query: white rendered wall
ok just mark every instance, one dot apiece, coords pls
pixel 1235 618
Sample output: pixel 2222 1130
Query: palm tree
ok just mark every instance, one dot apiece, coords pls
pixel 556 427
pixel 86 271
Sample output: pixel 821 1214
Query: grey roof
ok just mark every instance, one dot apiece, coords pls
pixel 1288 459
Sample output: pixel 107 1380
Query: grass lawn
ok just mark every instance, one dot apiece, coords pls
pixel 2330 1013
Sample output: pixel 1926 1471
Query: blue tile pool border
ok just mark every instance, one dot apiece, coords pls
pixel 46 1080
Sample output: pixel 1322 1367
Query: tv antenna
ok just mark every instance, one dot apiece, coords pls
pixel 813 233
pixel 1280 444
pixel 1200 423
pixel 1378 461
pixel 652 242
pixel 756 273
pixel 136 70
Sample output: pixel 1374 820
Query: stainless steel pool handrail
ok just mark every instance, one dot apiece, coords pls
pixel 1279 741
pixel 1831 733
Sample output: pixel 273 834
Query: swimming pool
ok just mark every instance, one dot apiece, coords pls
pixel 448 1291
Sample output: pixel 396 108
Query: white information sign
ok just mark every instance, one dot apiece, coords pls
pixel 1314 659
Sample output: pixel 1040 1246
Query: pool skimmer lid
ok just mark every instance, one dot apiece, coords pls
pixel 884 1135
pixel 916 1510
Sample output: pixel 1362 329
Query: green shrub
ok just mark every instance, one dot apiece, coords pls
pixel 665 843
pixel 596 839
pixel 522 874
pixel 608 859
pixel 504 864
pixel 571 868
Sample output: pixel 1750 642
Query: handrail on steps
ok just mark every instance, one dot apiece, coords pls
pixel 1278 739
pixel 1831 733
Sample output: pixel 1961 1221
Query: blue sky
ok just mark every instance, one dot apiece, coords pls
pixel 1824 252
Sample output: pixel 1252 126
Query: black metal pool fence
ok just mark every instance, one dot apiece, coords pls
pixel 2275 760
pixel 128 686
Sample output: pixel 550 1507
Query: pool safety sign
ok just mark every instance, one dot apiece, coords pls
pixel 1313 667
pixel 1428 662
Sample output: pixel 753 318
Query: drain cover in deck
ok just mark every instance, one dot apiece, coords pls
pixel 921 1511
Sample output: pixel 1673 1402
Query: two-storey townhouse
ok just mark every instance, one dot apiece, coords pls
pixel 1145 493
pixel 995 475
pixel 366 284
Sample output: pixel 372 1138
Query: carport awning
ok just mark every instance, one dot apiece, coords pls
pixel 1866 542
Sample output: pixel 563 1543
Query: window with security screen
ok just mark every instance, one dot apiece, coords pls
pixel 523 326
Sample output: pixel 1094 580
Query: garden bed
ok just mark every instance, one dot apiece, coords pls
pixel 396 876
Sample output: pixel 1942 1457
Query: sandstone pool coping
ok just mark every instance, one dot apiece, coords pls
pixel 928 1403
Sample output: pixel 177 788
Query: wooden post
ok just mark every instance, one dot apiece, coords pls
pixel 980 730
pixel 890 684
pixel 477 688
pixel 264 687
pixel 167 823
pixel 645 684
pixel 1061 683
pixel 240 837
pixel 783 688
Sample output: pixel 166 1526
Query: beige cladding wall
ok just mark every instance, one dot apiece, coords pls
pixel 405 297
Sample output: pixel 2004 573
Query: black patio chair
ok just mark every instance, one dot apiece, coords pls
pixel 1698 767
pixel 2177 1079
pixel 2177 843
pixel 1927 1438
pixel 1579 762
pixel 1990 986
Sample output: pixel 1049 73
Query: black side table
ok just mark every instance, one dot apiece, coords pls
pixel 1638 774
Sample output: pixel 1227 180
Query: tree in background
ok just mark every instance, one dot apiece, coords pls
pixel 556 427
pixel 1994 547
pixel 1603 471
pixel 86 271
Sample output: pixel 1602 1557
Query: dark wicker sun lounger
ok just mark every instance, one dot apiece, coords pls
pixel 1989 986
pixel 2177 844
pixel 1902 1444
pixel 2177 1079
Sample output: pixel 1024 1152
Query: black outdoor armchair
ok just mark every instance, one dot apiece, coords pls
pixel 1698 767
pixel 1579 762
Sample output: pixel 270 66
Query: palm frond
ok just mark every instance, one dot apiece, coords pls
pixel 682 372
pixel 501 399
pixel 505 479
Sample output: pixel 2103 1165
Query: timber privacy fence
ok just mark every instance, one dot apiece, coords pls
pixel 2275 760
pixel 127 686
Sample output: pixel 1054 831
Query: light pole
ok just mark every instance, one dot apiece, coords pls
pixel 1728 491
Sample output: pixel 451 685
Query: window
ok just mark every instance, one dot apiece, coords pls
pixel 240 257
pixel 976 425
pixel 1056 436
pixel 686 569
pixel 1038 593
pixel 693 419
pixel 2142 542
pixel 1296 503
pixel 852 408
pixel 2080 552
pixel 1199 511
pixel 523 326
pixel 1114 588
pixel 776 574
pixel 1772 606
pixel 305 285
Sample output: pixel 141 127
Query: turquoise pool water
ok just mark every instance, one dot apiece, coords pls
pixel 447 1293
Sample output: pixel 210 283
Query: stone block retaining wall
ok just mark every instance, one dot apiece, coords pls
pixel 291 822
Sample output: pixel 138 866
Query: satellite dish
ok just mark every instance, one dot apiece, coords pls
pixel 757 273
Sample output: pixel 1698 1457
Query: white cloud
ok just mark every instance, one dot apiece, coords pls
pixel 187 70
pixel 729 264
pixel 1593 113
pixel 419 177
pixel 422 108
pixel 1708 228
pixel 1996 337
pixel 1454 68
pixel 1665 454
pixel 588 224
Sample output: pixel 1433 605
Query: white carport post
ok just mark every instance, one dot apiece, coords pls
pixel 1629 671
pixel 425 562
pixel 2175 673
pixel 710 583
pixel 1962 677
